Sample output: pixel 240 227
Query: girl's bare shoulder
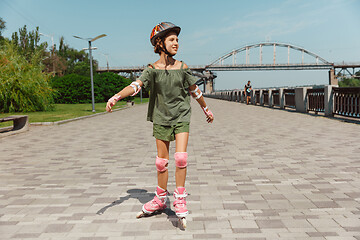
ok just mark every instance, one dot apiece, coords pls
pixel 185 66
pixel 178 64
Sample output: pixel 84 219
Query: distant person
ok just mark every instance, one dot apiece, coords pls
pixel 169 109
pixel 248 89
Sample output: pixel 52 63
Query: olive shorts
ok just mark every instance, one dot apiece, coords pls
pixel 167 133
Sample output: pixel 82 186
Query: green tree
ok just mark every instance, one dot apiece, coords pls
pixel 77 62
pixel 27 43
pixel 61 61
pixel 2 26
pixel 349 82
pixel 24 87
pixel 53 63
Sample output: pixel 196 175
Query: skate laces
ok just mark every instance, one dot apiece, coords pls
pixel 180 198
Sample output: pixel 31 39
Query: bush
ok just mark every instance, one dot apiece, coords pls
pixel 349 82
pixel 72 88
pixel 23 85
pixel 109 84
pixel 75 88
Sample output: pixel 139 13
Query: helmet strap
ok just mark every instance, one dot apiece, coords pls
pixel 165 50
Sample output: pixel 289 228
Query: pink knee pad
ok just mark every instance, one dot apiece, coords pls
pixel 161 164
pixel 181 159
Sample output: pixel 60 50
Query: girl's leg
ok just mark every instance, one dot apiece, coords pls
pixel 158 202
pixel 163 152
pixel 181 145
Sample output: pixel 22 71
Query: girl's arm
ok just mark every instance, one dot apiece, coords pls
pixel 197 94
pixel 130 90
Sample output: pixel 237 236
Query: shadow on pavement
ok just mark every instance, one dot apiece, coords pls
pixel 144 196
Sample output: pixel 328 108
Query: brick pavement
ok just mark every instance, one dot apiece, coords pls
pixel 255 173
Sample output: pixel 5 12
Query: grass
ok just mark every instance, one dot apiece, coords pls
pixel 66 111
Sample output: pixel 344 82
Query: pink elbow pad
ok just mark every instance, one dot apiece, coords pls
pixel 136 87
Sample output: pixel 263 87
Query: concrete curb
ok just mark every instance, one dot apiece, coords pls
pixel 74 119
pixel 6 131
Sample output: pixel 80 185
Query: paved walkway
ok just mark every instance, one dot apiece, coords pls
pixel 255 173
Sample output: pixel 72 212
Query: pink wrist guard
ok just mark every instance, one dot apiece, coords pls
pixel 115 98
pixel 207 112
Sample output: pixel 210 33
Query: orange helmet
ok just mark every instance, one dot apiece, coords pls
pixel 162 29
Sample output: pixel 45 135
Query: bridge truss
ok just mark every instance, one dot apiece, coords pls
pixel 234 61
pixel 347 70
pixel 221 65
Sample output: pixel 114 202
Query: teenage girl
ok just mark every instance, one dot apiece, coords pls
pixel 170 83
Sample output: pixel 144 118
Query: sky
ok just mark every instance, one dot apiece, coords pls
pixel 210 29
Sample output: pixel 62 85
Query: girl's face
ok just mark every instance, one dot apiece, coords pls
pixel 172 43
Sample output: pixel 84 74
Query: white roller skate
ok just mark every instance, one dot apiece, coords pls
pixel 181 211
pixel 156 205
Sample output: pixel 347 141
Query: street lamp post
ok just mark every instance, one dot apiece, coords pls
pixel 91 67
pixel 52 39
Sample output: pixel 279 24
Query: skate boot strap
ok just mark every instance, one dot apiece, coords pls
pixel 180 195
pixel 163 195
pixel 177 195
pixel 159 201
pixel 179 201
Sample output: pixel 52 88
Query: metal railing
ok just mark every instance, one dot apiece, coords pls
pixel 329 99
pixel 257 97
pixel 237 96
pixel 266 97
pixel 316 100
pixel 276 97
pixel 289 98
pixel 347 101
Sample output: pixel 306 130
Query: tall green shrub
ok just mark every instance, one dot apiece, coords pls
pixel 109 84
pixel 74 88
pixel 23 85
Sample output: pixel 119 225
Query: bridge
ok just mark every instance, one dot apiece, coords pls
pixel 286 176
pixel 281 57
